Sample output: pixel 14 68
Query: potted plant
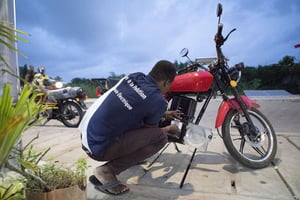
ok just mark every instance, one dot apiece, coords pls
pixel 46 180
pixel 62 184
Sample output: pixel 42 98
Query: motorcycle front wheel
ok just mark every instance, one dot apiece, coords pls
pixel 253 152
pixel 71 114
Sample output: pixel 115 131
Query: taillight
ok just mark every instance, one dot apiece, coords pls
pixel 98 92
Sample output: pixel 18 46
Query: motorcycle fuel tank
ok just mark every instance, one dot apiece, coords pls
pixel 192 82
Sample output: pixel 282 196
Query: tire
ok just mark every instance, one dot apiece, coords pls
pixel 252 153
pixel 71 114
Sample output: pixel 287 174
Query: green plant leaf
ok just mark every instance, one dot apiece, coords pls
pixel 15 118
pixel 12 191
pixel 29 165
pixel 8 37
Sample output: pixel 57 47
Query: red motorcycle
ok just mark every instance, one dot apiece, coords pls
pixel 247 134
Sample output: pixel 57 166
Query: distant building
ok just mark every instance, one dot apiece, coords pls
pixel 8 15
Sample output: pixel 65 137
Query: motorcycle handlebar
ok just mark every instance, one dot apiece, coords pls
pixel 219 39
pixel 189 68
pixel 220 28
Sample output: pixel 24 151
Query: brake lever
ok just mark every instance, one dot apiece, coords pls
pixel 229 34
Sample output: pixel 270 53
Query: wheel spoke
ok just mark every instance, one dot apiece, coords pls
pixel 265 131
pixel 235 126
pixel 237 139
pixel 259 151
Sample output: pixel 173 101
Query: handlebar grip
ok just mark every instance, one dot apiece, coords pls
pixel 189 68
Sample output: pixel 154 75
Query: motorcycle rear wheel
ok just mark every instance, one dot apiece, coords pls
pixel 252 152
pixel 71 114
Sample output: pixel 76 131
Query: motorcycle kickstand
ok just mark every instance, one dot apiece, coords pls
pixel 176 147
pixel 45 122
pixel 151 163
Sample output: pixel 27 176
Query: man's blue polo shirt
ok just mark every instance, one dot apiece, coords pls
pixel 136 100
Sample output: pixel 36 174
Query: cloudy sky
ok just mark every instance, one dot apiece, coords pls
pixel 88 39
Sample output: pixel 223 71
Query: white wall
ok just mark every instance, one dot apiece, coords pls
pixel 7 15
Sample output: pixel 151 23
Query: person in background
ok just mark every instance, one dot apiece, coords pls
pixel 30 74
pixel 121 127
pixel 41 79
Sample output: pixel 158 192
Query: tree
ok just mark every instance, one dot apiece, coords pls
pixel 287 61
pixel 180 66
pixel 283 75
pixel 58 78
pixel 113 75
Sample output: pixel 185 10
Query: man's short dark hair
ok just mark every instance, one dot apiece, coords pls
pixel 163 70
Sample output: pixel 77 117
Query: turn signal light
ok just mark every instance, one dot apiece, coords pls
pixel 233 83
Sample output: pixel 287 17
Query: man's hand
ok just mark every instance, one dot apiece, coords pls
pixel 172 129
pixel 173 114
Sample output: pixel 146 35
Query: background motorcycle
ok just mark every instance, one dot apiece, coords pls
pixel 247 134
pixel 65 104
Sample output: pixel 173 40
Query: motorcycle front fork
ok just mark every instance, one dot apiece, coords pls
pixel 248 128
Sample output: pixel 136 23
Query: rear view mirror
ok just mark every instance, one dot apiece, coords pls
pixel 219 10
pixel 184 52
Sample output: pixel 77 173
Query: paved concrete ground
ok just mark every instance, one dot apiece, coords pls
pixel 213 175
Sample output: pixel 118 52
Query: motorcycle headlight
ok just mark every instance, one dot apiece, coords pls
pixel 235 72
pixel 58 84
pixel 235 75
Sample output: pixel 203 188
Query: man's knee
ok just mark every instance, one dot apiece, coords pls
pixel 161 136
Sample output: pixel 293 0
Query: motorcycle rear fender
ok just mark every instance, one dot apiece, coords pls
pixel 232 104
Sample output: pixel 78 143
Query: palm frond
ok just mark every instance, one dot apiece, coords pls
pixel 9 36
pixel 15 118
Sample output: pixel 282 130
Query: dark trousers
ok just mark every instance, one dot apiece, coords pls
pixel 132 147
